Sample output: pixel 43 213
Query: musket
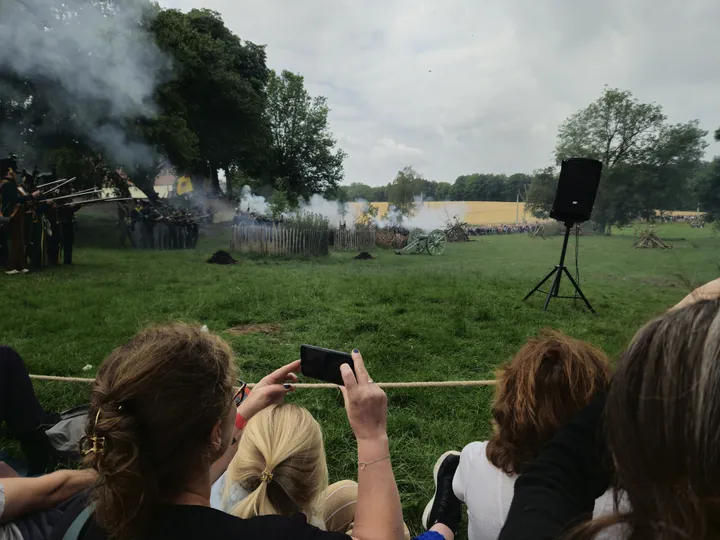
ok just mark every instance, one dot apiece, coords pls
pixel 88 191
pixel 79 194
pixel 98 201
pixel 50 183
pixel 61 184
pixel 85 191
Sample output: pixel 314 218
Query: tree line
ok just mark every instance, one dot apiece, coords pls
pixel 470 187
pixel 649 164
pixel 217 107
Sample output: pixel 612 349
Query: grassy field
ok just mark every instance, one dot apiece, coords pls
pixel 415 318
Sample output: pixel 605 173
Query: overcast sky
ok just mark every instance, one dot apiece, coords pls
pixel 454 87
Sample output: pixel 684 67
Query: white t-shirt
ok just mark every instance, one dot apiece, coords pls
pixel 8 531
pixel 488 492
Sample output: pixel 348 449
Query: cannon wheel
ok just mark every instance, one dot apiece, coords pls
pixel 413 236
pixel 436 241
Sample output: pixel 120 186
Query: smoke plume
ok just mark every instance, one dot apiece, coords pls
pixel 424 216
pixel 98 58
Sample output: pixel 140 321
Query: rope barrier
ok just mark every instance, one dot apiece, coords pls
pixel 420 384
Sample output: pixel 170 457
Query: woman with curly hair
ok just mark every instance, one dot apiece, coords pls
pixel 546 383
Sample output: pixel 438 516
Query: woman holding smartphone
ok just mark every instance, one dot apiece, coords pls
pixel 162 413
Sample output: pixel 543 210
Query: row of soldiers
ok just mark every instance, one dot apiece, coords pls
pixel 149 225
pixel 33 230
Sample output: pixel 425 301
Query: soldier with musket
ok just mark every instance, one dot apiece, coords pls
pixel 12 200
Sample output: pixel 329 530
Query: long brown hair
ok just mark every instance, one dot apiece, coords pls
pixel 547 382
pixel 663 428
pixel 156 399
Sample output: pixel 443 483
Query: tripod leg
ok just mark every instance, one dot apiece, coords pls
pixel 541 283
pixel 577 288
pixel 554 288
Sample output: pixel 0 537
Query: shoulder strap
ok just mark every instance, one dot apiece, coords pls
pixel 78 525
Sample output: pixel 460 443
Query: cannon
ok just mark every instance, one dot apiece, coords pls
pixel 418 241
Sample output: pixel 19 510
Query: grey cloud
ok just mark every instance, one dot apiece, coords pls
pixel 480 86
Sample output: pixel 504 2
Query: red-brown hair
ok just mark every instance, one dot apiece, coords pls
pixel 546 383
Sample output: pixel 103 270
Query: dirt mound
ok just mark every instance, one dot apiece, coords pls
pixel 364 256
pixel 244 329
pixel 221 257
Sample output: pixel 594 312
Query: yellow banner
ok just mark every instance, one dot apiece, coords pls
pixel 184 185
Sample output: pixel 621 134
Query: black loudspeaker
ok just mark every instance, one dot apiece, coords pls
pixel 577 187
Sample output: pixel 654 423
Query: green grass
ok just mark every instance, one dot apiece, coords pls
pixel 415 318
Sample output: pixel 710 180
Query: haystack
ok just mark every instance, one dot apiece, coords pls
pixel 648 239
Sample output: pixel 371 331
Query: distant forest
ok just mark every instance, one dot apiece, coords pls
pixel 470 187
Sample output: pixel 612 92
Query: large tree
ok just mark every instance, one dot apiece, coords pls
pixel 304 154
pixel 79 89
pixel 646 161
pixel 218 88
pixel 708 186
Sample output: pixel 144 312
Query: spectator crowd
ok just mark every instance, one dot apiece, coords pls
pixel 173 447
pixel 501 229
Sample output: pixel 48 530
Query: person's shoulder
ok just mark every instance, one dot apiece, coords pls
pixel 474 451
pixel 188 522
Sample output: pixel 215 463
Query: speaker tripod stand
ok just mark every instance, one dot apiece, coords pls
pixel 558 271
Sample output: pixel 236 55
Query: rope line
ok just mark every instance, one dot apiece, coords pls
pixel 420 384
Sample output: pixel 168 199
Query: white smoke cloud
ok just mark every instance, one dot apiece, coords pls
pixel 327 208
pixel 252 203
pixel 424 216
pixel 101 58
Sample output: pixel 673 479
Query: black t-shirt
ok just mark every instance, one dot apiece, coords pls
pixel 185 522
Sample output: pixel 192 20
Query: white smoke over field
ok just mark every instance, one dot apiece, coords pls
pixel 97 57
pixel 426 216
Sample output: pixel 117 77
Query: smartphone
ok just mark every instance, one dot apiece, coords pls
pixel 324 364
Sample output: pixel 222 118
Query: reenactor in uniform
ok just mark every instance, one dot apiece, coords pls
pixel 147 224
pixel 12 206
pixel 160 230
pixel 125 224
pixel 53 235
pixel 66 219
pixel 38 236
pixel 136 225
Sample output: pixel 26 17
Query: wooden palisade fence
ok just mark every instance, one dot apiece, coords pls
pixel 353 239
pixel 279 239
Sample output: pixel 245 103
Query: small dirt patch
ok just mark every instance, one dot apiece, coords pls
pixel 254 329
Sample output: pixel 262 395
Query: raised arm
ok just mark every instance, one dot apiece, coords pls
pixel 378 514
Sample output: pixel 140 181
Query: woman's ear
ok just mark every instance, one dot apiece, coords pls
pixel 216 438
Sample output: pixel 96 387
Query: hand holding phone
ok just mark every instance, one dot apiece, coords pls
pixel 324 364
pixel 365 403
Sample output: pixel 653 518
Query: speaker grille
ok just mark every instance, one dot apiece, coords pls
pixel 576 191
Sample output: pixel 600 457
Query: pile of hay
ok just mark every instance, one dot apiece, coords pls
pixel 648 239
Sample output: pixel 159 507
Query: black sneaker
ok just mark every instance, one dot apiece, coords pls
pixel 444 507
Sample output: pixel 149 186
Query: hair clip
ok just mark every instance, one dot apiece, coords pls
pixel 266 477
pixel 97 447
pixel 98 443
